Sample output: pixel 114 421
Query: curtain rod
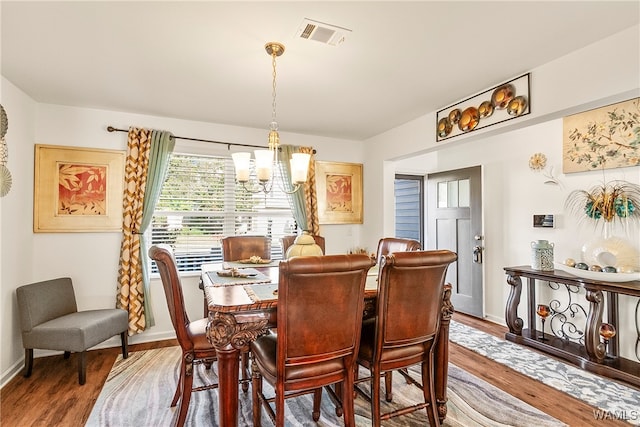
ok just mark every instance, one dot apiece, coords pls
pixel 228 144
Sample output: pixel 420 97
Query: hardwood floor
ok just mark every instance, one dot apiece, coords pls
pixel 52 396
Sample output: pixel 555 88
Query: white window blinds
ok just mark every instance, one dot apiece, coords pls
pixel 200 203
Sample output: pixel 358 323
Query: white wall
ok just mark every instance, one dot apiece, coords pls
pixel 91 259
pixel 511 192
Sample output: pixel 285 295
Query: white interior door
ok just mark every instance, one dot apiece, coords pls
pixel 454 222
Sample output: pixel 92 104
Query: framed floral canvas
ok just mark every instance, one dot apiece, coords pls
pixel 77 189
pixel 604 138
pixel 339 188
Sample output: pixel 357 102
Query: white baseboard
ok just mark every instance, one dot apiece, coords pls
pixel 114 341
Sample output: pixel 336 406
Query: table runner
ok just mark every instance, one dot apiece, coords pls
pixel 259 293
pixel 218 281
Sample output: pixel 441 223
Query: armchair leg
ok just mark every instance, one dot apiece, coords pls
pixel 82 367
pixel 124 338
pixel 28 362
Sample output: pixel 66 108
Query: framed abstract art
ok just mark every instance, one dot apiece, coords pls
pixel 77 189
pixel 339 188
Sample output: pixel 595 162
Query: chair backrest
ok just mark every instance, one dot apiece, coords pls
pixel 46 300
pixel 163 256
pixel 287 241
pixel 389 245
pixel 242 247
pixel 320 308
pixel 410 297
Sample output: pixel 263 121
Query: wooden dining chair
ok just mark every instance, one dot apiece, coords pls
pixel 406 327
pixel 235 248
pixel 191 335
pixel 320 304
pixel 388 245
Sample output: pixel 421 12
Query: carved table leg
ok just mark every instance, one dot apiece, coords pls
pixel 441 370
pixel 595 348
pixel 511 312
pixel 229 337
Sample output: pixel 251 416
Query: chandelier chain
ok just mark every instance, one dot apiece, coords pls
pixel 273 85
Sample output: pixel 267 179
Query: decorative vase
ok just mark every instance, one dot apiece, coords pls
pixel 542 255
pixel 611 251
pixel 304 245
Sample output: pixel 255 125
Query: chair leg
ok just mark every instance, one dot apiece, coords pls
pixel 348 406
pixel 244 365
pixel 429 392
pixel 256 391
pixel 317 400
pixel 124 339
pixel 28 362
pixel 177 394
pixel 187 385
pixel 375 398
pixel 82 367
pixel 67 354
pixel 388 380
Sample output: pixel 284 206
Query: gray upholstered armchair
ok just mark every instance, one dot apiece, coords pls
pixel 50 320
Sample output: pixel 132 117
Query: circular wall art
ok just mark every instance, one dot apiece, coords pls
pixel 444 127
pixel 469 119
pixel 502 96
pixel 4 122
pixel 485 109
pixel 5 180
pixel 517 106
pixel 454 116
pixel 5 175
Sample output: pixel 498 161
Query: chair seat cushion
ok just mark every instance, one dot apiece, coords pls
pixel 78 331
pixel 198 332
pixel 264 353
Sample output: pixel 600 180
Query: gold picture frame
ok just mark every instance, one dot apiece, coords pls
pixel 603 138
pixel 339 188
pixel 77 189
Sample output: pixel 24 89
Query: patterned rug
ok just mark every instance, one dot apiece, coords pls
pixel 616 400
pixel 139 389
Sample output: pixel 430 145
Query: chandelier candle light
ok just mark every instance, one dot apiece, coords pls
pixel 266 161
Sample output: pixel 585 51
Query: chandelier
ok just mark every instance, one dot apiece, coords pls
pixel 267 161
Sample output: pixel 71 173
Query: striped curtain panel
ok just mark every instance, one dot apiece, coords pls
pixel 311 195
pixel 130 295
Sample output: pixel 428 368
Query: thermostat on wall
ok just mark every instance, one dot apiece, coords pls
pixel 545 221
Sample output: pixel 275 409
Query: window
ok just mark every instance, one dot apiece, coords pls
pixel 409 202
pixel 200 203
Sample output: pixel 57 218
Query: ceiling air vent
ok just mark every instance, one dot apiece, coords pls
pixel 321 32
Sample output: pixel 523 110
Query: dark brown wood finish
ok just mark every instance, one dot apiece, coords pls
pixel 592 355
pixel 69 404
pixel 318 334
pixel 191 335
pixel 235 320
pixel 411 294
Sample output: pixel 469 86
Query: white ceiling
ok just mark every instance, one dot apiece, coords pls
pixel 206 61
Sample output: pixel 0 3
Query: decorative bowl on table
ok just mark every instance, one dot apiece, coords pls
pixel 598 275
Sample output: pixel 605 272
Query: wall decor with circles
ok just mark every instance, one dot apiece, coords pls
pixel 5 175
pixel 503 102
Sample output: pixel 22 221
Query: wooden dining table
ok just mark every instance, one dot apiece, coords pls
pixel 242 309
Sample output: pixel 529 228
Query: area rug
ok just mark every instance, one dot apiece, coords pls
pixel 139 389
pixel 616 400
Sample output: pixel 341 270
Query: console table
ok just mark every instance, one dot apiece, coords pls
pixel 589 352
